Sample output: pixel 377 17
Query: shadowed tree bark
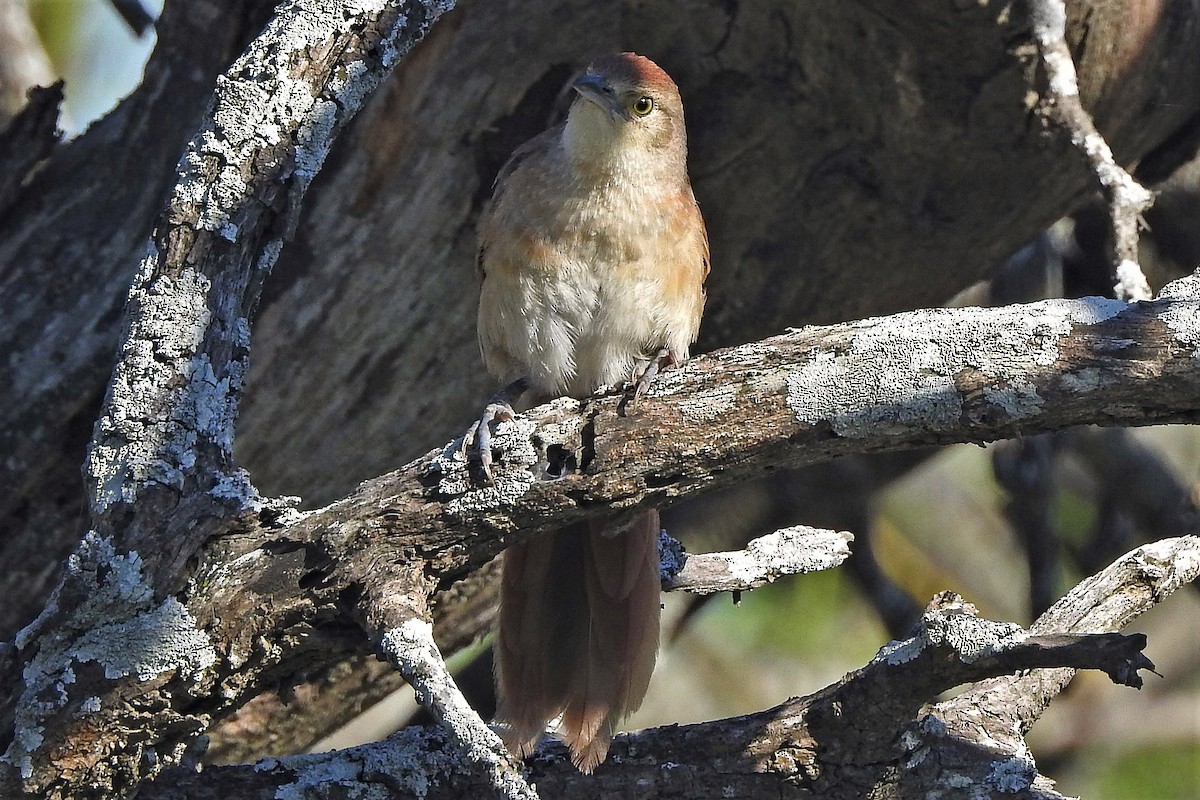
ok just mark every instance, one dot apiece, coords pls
pixel 851 159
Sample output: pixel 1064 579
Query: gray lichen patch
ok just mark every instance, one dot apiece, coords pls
pixel 708 405
pixel 148 432
pixel 1169 563
pixel 902 371
pixel 411 648
pixel 513 473
pixel 523 446
pixel 408 760
pixel 969 636
pixel 264 102
pixel 1183 318
pixel 1185 288
pixel 235 486
pixel 1011 775
pixel 791 551
pixel 158 640
pixel 671 557
pixel 116 625
pixel 901 651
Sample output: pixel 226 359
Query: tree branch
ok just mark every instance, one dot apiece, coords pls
pixel 810 395
pixel 789 551
pixel 1127 199
pixel 841 742
pixel 978 737
pixel 192 593
pixel 411 649
pixel 160 472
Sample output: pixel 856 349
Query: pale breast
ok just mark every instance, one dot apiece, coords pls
pixel 583 282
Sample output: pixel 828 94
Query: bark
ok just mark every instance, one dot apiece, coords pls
pixel 191 594
pixel 835 146
pixel 160 479
pixel 69 247
pixel 832 149
pixel 859 737
pixel 275 593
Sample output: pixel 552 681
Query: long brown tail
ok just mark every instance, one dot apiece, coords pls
pixel 579 613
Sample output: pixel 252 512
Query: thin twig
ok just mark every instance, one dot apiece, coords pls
pixel 789 551
pixel 1127 199
pixel 1107 601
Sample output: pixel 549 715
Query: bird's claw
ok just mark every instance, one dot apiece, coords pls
pixel 643 376
pixel 478 441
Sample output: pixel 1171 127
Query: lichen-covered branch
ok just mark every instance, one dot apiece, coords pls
pixel 160 472
pixel 842 742
pixel 978 737
pixel 810 395
pixel 1127 199
pixel 789 551
pixel 1079 366
pixel 190 593
pixel 411 649
pixel 915 379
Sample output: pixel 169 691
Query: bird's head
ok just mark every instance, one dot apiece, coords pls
pixel 627 118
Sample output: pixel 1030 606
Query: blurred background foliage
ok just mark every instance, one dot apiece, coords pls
pixel 940 523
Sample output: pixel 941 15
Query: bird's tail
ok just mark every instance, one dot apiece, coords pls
pixel 579 612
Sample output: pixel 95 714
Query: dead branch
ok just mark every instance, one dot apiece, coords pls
pixel 411 649
pixel 1127 199
pixel 888 383
pixel 191 593
pixel 858 736
pixel 160 476
pixel 789 551
pixel 994 754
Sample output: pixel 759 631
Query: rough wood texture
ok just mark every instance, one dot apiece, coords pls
pixel 264 602
pixel 69 248
pixel 850 158
pixel 859 737
pixel 1105 602
pixel 835 146
pixel 193 594
pixel 160 479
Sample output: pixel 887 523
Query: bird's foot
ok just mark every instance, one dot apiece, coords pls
pixel 478 441
pixel 643 375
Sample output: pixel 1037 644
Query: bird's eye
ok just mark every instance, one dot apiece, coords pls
pixel 643 106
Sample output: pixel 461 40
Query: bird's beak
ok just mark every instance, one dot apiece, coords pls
pixel 597 90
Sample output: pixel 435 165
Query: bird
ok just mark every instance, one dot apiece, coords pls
pixel 593 256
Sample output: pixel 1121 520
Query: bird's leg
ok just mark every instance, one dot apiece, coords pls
pixel 643 374
pixel 478 441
